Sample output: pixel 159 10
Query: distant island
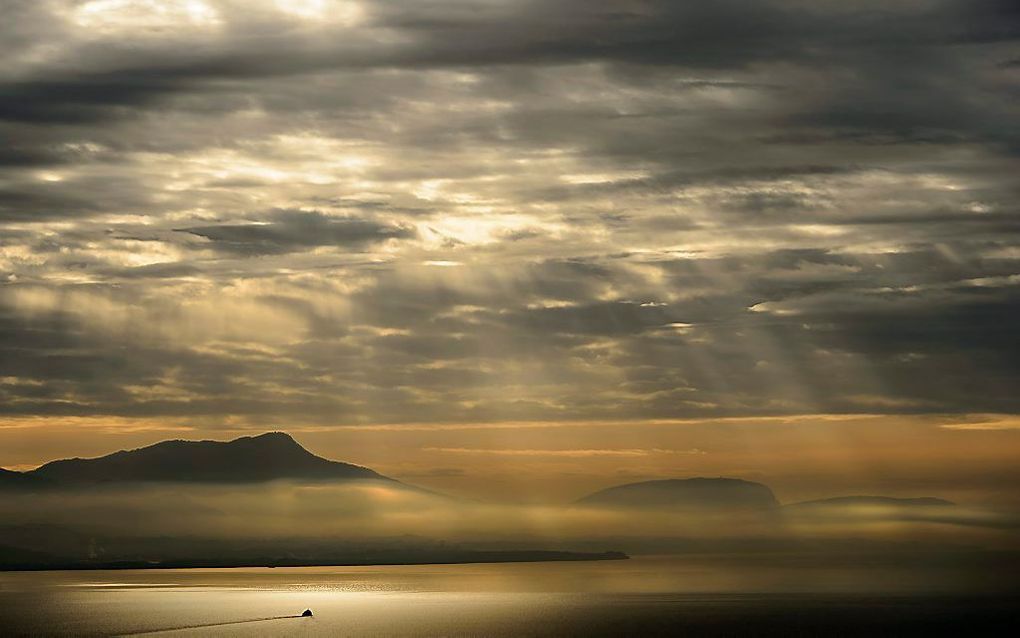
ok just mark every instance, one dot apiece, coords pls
pixel 249 459
pixel 101 536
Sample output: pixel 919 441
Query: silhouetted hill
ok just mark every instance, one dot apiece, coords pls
pixel 883 501
pixel 686 493
pixel 248 459
pixel 14 480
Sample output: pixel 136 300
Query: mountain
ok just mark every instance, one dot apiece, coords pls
pixel 249 459
pixel 874 501
pixel 18 480
pixel 699 493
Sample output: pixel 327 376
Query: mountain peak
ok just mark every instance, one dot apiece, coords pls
pixel 270 436
pixel 280 440
pixel 264 457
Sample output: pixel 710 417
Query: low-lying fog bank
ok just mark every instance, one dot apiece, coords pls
pixel 338 521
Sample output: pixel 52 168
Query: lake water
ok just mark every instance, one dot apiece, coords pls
pixel 641 596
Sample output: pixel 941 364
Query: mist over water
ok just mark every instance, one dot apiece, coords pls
pixel 371 509
pixel 712 555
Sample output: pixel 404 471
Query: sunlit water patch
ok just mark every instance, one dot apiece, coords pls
pixel 647 595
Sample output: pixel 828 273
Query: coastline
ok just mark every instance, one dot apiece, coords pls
pixel 455 558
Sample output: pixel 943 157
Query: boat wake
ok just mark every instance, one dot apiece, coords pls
pixel 212 624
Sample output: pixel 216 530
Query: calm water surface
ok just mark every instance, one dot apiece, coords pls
pixel 642 596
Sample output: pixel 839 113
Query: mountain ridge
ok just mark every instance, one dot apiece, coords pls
pixel 12 479
pixel 272 456
pixel 248 459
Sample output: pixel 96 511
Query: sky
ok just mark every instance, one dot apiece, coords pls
pixel 510 245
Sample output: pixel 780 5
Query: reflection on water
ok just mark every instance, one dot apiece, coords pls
pixel 647 594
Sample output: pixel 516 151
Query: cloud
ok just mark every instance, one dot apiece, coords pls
pixel 292 231
pixel 987 423
pixel 657 210
pixel 578 453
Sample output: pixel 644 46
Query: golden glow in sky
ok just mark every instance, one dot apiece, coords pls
pixel 361 220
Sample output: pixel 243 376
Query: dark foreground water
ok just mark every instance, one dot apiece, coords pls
pixel 644 596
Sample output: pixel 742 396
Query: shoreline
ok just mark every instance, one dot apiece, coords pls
pixel 465 558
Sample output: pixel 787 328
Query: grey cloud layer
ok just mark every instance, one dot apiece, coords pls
pixel 290 231
pixel 391 211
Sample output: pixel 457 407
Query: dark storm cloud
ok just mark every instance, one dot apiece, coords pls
pixel 289 231
pixel 79 100
pixel 452 210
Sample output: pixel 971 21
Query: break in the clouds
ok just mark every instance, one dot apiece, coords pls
pixel 338 212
